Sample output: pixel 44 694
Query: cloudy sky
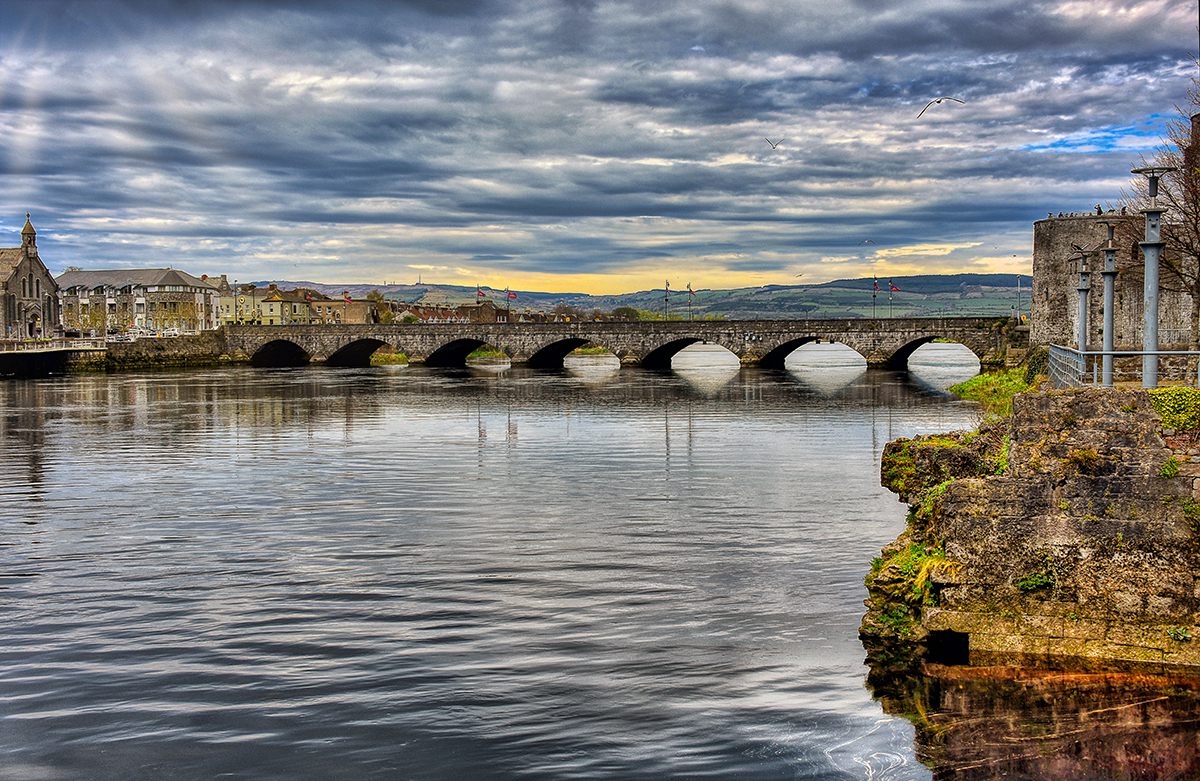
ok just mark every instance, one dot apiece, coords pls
pixel 570 145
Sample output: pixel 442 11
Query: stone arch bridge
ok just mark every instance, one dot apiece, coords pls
pixel 884 343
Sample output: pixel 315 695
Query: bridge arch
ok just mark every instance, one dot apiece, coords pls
pixel 660 357
pixel 280 352
pixel 899 358
pixel 453 354
pixel 355 354
pixel 551 356
pixel 775 358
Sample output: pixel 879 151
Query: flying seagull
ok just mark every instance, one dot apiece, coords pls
pixel 865 241
pixel 777 143
pixel 939 100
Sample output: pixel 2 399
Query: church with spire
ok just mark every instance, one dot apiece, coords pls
pixel 28 292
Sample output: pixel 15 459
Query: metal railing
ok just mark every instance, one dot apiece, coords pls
pixel 1071 368
pixel 46 345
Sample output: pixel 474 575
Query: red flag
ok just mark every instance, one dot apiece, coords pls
pixel 690 291
pixel 348 301
pixel 479 292
pixel 512 294
pixel 876 285
pixel 894 288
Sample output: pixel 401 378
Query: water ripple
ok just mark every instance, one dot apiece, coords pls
pixel 317 574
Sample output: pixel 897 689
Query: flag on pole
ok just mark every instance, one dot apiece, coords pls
pixel 346 297
pixel 690 291
pixel 894 288
pixel 479 292
pixel 876 284
pixel 509 293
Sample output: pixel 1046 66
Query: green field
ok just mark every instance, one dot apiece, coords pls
pixel 929 295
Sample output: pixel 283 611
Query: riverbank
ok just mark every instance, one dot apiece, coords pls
pixel 1062 537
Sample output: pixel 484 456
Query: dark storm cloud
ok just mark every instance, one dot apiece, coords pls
pixel 539 136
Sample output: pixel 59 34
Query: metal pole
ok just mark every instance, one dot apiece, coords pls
pixel 1152 249
pixel 1110 274
pixel 1081 339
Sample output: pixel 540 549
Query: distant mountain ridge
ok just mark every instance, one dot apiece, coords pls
pixel 917 295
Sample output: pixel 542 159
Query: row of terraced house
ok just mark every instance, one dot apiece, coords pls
pixel 34 304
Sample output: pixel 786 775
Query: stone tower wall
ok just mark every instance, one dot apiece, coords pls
pixel 1055 307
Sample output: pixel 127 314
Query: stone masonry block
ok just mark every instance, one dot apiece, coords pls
pixel 1010 644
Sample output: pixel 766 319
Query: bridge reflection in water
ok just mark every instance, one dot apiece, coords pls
pixel 883 343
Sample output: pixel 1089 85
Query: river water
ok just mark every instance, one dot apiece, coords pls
pixel 405 573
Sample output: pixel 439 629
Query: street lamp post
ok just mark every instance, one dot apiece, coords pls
pixel 1110 274
pixel 1152 249
pixel 1081 338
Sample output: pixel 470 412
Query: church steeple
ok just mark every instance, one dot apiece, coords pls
pixel 28 234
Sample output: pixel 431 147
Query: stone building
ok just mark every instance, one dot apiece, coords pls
pixel 1054 311
pixel 1056 245
pixel 286 307
pixel 155 300
pixel 338 310
pixel 29 306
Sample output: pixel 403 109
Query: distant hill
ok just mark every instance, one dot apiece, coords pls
pixel 919 295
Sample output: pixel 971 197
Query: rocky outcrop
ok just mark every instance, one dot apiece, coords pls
pixel 1063 538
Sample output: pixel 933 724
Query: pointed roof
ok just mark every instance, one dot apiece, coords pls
pixel 119 278
pixel 9 258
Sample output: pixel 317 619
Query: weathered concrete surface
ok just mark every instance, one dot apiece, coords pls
pixel 1079 552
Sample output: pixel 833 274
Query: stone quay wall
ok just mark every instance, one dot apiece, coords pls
pixel 1065 537
pixel 204 349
